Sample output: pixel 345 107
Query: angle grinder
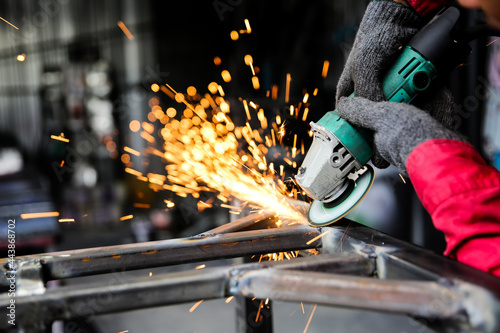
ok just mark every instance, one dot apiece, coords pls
pixel 334 172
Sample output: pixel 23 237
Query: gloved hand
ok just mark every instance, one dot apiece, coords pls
pixel 398 128
pixel 386 26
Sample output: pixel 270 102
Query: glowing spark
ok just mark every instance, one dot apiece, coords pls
pixel 247 111
pixel 234 35
pixel 60 137
pixel 310 317
pixel 315 92
pixel 302 305
pixel 195 306
pixel 155 87
pixel 255 82
pixel 404 181
pixel 133 172
pixel 318 237
pixel 125 30
pixel 66 220
pixel 274 92
pixel 126 217
pixel 287 89
pixel 226 76
pixel 200 266
pixel 258 312
pixel 62 163
pixel 38 215
pixel 247 25
pixel 126 331
pixel 169 203
pixel 493 41
pixel 131 151
pixel 229 299
pixel 252 69
pixel 306 98
pixel 142 205
pixel 21 57
pixel 304 116
pixel 230 207
pixel 324 72
pixel 150 273
pixel 1 18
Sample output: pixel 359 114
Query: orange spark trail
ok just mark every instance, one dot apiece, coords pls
pixel 310 317
pixel 195 306
pixel 37 215
pixel 1 18
pixel 318 237
pixel 125 30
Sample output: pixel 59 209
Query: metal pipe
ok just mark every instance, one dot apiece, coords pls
pixel 396 296
pixel 66 264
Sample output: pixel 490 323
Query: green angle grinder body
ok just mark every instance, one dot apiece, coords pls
pixel 321 214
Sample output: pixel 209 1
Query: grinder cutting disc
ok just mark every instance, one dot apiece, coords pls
pixel 321 214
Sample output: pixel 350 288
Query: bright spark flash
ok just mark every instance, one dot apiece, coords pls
pixel 203 154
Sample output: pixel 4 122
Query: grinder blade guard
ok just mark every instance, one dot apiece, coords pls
pixel 332 172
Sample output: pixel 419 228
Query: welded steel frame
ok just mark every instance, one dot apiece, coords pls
pixel 357 267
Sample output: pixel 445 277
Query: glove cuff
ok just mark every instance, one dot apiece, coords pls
pixel 384 14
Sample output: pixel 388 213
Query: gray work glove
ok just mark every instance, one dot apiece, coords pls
pixel 386 26
pixel 397 128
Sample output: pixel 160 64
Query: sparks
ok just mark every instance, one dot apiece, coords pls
pixel 1 18
pixel 310 317
pixel 258 311
pixel 247 25
pixel 127 217
pixel 59 137
pixel 404 181
pixel 38 215
pixel 66 220
pixel 318 237
pixel 229 299
pixel 125 30
pixel 287 91
pixel 131 151
pixel 195 306
pixel 324 72
pixel 141 205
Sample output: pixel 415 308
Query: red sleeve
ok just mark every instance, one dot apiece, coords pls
pixel 462 195
pixel 424 7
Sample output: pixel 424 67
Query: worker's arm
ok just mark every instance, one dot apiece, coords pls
pixel 462 194
pixel 457 188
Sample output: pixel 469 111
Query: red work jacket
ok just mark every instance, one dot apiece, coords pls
pixel 462 195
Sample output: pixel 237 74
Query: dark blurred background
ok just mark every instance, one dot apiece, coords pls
pixel 71 69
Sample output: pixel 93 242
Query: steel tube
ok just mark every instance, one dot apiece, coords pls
pixel 422 299
pixel 66 264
